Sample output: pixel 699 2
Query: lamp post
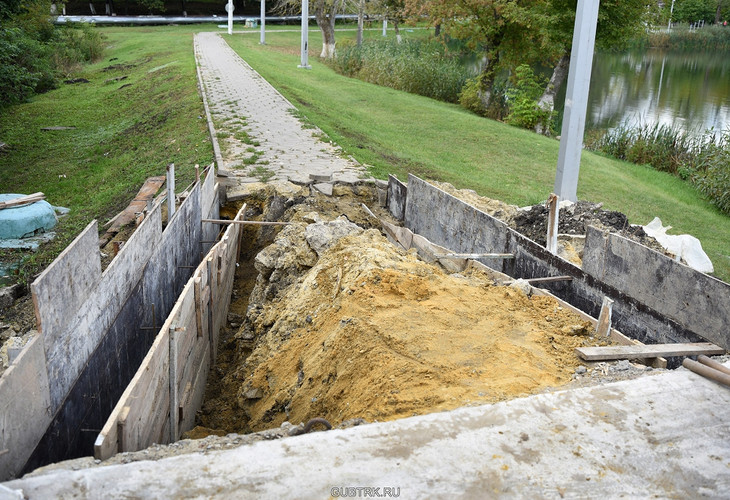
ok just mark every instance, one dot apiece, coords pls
pixel 262 41
pixel 576 100
pixel 305 35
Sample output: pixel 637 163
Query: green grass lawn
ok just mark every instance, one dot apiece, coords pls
pixel 126 134
pixel 397 133
pixel 126 130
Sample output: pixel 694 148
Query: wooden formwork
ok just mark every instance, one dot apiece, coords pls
pixel 161 400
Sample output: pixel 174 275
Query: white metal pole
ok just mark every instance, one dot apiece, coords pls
pixel 305 35
pixel 671 13
pixel 576 100
pixel 385 26
pixel 263 22
pixel 229 8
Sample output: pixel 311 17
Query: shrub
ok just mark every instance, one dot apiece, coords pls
pixel 702 160
pixel 522 99
pixel 469 97
pixel 416 66
pixel 25 66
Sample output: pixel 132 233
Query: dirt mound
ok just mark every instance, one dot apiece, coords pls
pixel 342 325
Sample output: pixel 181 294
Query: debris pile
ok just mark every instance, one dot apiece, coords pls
pixel 343 325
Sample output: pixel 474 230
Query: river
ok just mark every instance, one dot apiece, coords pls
pixel 687 90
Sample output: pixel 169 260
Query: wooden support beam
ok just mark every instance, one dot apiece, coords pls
pixel 474 255
pixel 173 385
pixel 603 327
pixel 198 305
pixel 647 351
pixel 707 372
pixel 713 364
pixel 553 205
pixel 121 424
pixel 246 222
pixel 549 279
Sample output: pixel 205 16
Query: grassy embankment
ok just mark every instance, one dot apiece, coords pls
pixel 125 135
pixel 126 130
pixel 399 133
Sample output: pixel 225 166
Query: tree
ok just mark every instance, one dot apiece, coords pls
pixel 324 14
pixel 618 22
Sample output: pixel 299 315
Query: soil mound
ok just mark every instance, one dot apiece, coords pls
pixel 343 325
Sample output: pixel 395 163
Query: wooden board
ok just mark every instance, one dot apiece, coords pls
pixel 647 351
pixel 138 204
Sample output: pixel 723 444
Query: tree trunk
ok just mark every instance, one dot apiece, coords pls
pixel 437 30
pixel 184 10
pixel 397 31
pixel 325 16
pixel 92 9
pixel 547 101
pixel 110 8
pixel 718 12
pixel 360 21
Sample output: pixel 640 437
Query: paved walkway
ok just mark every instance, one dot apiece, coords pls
pixel 265 138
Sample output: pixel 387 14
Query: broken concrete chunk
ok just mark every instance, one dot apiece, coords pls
pixel 324 188
pixel 322 235
pixel 254 393
pixel 522 285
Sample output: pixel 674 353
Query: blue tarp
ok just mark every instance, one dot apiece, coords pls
pixel 25 220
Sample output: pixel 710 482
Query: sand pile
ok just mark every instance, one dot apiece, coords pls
pixel 342 325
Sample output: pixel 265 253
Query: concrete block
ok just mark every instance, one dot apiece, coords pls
pixel 396 199
pixel 320 177
pixel 693 299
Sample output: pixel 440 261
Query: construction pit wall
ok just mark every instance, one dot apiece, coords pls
pixel 655 298
pixel 161 401
pixel 94 331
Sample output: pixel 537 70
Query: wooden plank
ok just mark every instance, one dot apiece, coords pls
pixel 553 206
pixel 138 204
pixel 246 222
pixel 198 307
pixel 603 328
pixel 648 351
pixel 121 423
pixel 28 198
pixel 540 281
pixel 474 255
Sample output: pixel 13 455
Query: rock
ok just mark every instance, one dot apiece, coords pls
pixel 9 294
pixel 575 330
pixel 581 370
pixel 253 393
pixel 321 236
pixel 522 285
pixel 622 365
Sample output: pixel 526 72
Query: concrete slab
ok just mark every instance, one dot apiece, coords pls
pixel 663 435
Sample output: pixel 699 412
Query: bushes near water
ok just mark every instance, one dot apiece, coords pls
pixel 710 38
pixel 415 66
pixel 703 160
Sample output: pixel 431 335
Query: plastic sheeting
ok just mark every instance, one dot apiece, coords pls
pixel 684 246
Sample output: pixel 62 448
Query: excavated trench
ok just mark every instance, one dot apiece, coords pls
pixel 329 319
